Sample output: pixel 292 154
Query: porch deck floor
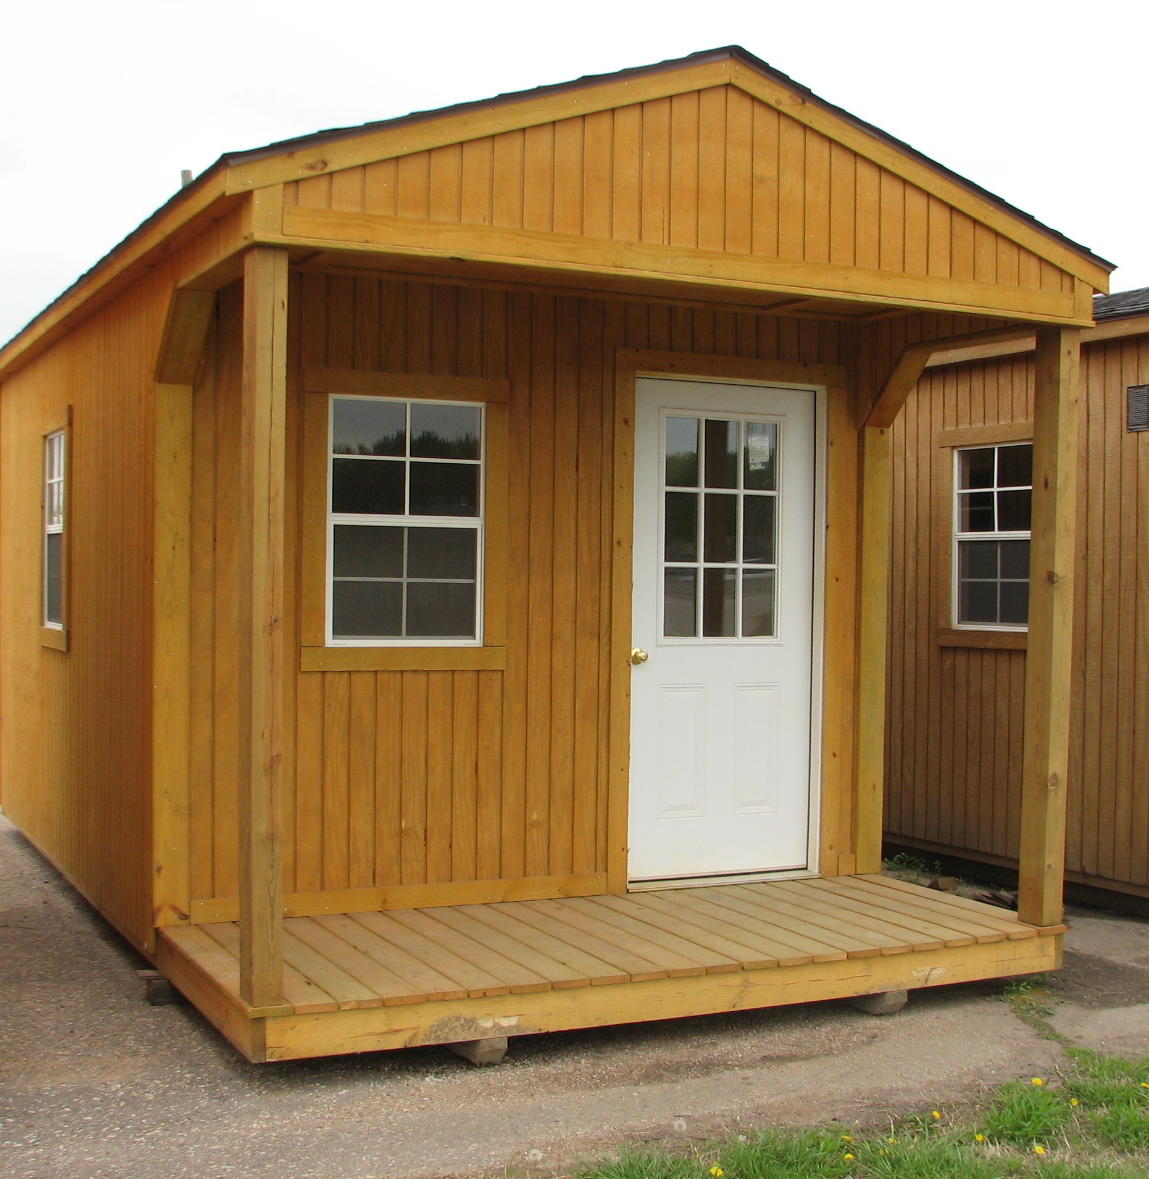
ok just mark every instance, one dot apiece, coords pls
pixel 343 962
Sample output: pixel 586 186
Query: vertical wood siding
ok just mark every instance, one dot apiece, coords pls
pixel 430 777
pixel 75 758
pixel 954 741
pixel 714 169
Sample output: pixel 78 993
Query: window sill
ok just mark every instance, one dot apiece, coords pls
pixel 402 658
pixel 988 640
pixel 54 637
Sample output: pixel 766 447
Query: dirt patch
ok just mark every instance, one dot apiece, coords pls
pixel 1093 981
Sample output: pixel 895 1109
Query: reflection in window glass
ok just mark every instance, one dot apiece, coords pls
pixel 364 427
pixel 721 453
pixel 682 452
pixel 445 431
pixel 719 587
pixel 680 604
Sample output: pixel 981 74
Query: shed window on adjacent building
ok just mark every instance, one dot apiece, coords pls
pixel 55 502
pixel 1137 407
pixel 992 500
pixel 405 522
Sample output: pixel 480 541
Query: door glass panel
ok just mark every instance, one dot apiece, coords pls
pixel 681 526
pixel 680 604
pixel 758 529
pixel 682 452
pixel 719 587
pixel 720 528
pixel 721 453
pixel 758 602
pixel 730 555
pixel 761 468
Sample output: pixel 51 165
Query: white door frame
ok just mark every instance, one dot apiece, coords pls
pixel 817 638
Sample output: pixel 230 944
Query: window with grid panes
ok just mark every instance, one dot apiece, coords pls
pixel 405 521
pixel 992 500
pixel 53 553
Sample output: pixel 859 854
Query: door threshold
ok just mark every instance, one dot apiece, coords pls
pixel 654 883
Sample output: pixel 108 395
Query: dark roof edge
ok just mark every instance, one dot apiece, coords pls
pixel 1121 304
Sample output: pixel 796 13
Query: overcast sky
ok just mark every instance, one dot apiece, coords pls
pixel 104 103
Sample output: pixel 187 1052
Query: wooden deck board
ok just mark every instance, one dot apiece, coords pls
pixel 815 938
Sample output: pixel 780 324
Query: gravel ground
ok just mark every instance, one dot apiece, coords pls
pixel 94 1082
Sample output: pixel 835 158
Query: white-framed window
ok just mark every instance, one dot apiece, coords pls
pixel 404 522
pixel 993 494
pixel 55 506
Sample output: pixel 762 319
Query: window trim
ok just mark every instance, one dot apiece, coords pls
pixel 55 634
pixel 317 651
pixel 949 632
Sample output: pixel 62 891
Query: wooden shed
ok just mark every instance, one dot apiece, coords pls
pixel 957 686
pixel 444 578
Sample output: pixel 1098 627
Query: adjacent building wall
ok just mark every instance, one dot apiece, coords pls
pixel 954 735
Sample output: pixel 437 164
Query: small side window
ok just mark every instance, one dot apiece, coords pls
pixel 993 493
pixel 54 550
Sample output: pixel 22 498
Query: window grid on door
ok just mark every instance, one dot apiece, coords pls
pixel 719 524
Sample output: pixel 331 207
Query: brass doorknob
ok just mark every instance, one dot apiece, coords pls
pixel 638 655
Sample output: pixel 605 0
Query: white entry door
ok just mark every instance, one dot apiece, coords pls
pixel 725 522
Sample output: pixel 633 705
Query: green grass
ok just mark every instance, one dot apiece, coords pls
pixel 1089 1122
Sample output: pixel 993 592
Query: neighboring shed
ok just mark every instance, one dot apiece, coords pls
pixel 444 575
pixel 957 688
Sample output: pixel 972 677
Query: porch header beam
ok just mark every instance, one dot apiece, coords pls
pixel 1050 648
pixel 261 655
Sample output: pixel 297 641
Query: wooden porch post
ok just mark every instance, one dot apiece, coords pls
pixel 1050 646
pixel 261 509
pixel 873 613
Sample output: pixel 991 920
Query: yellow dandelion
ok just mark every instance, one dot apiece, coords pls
pixel 936 1115
pixel 1036 1081
pixel 979 1138
pixel 717 1172
pixel 1145 1084
pixel 847 1138
pixel 1073 1101
pixel 883 1151
pixel 1039 1149
pixel 892 1141
pixel 848 1157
